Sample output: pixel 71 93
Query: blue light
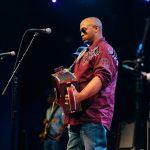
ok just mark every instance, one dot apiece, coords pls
pixel 147 0
pixel 54 1
pixel 139 49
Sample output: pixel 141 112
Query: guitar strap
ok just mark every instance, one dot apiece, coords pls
pixel 52 111
pixel 78 58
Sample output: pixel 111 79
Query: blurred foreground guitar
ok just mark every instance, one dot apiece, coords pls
pixel 54 125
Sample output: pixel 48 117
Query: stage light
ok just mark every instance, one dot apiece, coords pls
pixel 147 0
pixel 54 1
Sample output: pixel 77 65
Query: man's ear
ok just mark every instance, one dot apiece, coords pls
pixel 96 30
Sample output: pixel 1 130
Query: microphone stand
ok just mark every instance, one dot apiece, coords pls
pixel 140 120
pixel 15 101
pixel 19 63
pixel 140 106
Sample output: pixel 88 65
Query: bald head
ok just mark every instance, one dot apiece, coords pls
pixel 91 29
pixel 92 21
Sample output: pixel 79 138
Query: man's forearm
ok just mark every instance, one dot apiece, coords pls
pixel 91 89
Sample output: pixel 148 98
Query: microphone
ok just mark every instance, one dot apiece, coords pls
pixel 47 30
pixel 145 74
pixel 12 53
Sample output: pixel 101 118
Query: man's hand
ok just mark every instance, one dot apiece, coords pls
pixel 76 95
pixel 93 87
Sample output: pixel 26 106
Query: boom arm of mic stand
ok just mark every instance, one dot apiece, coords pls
pixel 20 61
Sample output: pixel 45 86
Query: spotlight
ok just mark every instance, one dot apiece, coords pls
pixel 147 0
pixel 54 1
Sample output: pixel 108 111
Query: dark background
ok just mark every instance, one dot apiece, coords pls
pixel 123 27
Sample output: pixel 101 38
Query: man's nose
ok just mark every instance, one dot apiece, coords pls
pixel 82 33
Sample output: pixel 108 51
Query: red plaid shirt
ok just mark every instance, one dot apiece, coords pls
pixel 99 60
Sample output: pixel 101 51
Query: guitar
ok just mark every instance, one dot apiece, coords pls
pixel 54 125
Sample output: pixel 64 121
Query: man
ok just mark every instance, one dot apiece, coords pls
pixel 55 115
pixel 96 72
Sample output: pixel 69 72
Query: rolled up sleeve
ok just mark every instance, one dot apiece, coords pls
pixel 104 67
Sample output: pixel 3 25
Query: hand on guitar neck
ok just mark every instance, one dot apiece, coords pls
pixel 71 91
pixel 71 98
